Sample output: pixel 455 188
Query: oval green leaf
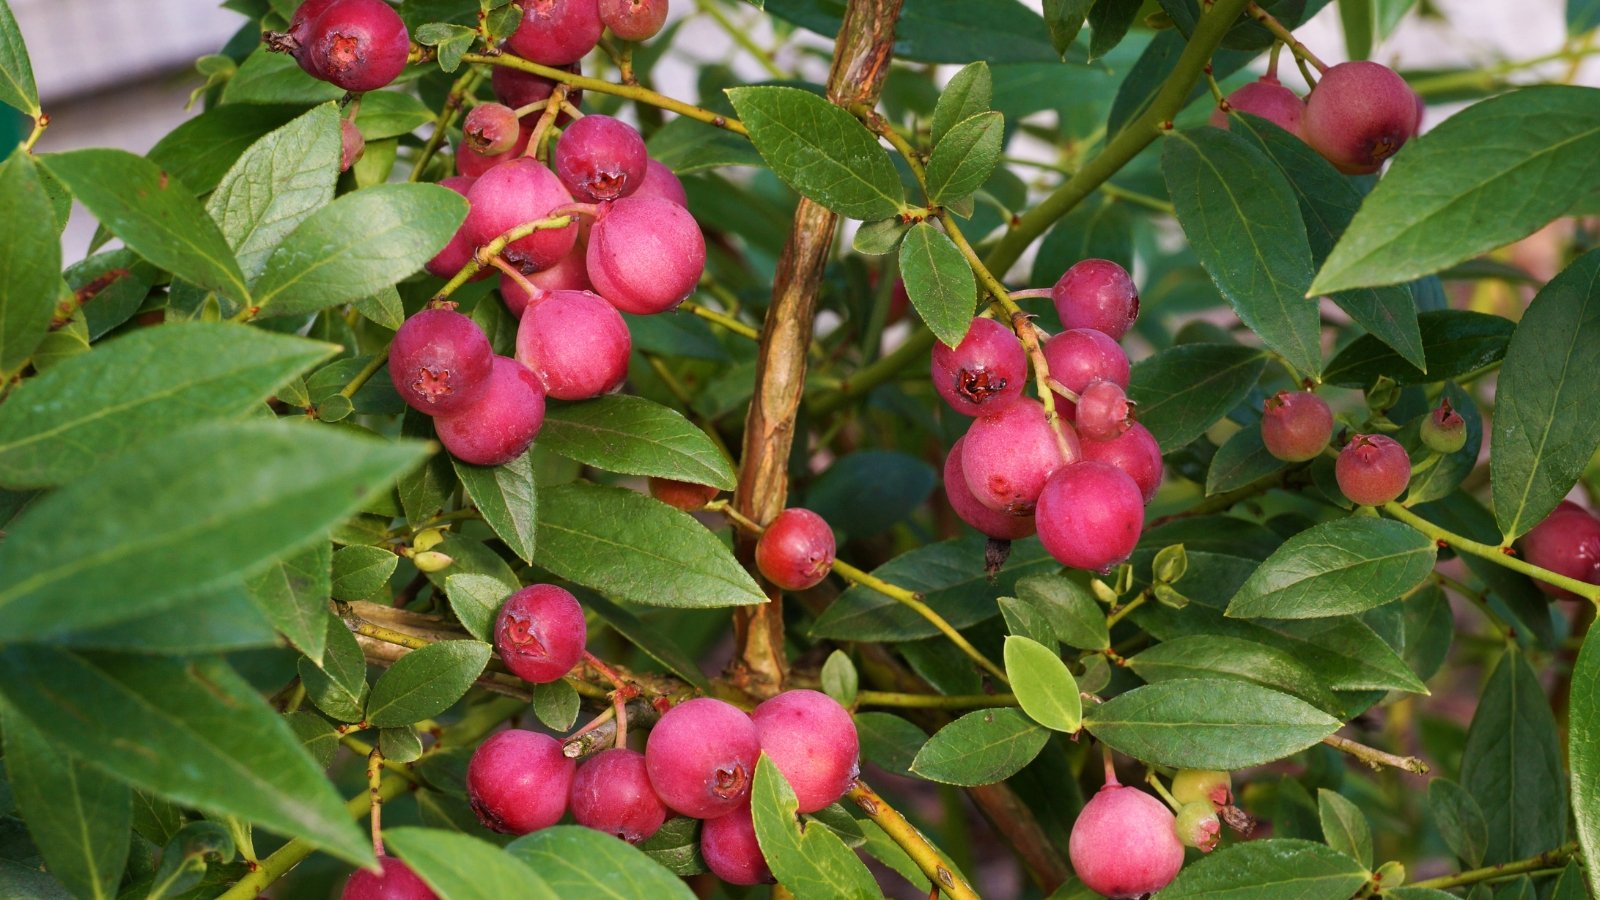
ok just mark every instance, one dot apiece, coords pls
pixel 1344 826
pixel 1511 763
pixel 1454 342
pixel 1241 459
pixel 507 497
pixel 813 863
pixel 1334 568
pixel 981 747
pixel 1186 389
pixel 939 282
pixel 968 93
pixel 425 682
pixel 463 867
pixel 1045 689
pixel 1583 749
pixel 1221 656
pixel 965 158
pixel 634 436
pixel 1207 723
pixel 1269 870
pixel 17 87
pixel 581 862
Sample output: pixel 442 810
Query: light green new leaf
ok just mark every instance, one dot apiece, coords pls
pixel 981 747
pixel 1207 723
pixel 813 863
pixel 965 159
pixel 463 867
pixel 635 436
pixel 939 282
pixel 425 682
pixel 581 862
pixel 1334 568
pixel 1045 688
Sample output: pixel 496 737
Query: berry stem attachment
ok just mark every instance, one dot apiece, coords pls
pixel 933 864
pixel 494 248
pixel 1154 780
pixel 547 119
pixel 1497 555
pixel 1546 860
pixel 726 321
pixel 1043 293
pixel 462 87
pixel 1301 51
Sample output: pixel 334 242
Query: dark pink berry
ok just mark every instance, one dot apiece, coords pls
pixel 571 273
pixel 600 158
pixel 728 845
pixel 502 423
pixel 516 88
pixel 1008 457
pixel 1136 453
pixel 469 162
pixel 796 550
pixel 540 633
pixel 352 146
pixel 1090 516
pixel 1103 411
pixel 984 373
pixel 633 20
pixel 359 45
pixel 645 255
pixel 518 192
pixel 1296 425
pixel 518 781
pixel 612 793
pixel 701 757
pixel 556 32
pixel 997 525
pixel 576 342
pixel 1098 294
pixel 659 182
pixel 812 740
pixel 1078 356
pixel 1267 99
pixel 1360 114
pixel 300 22
pixel 491 129
pixel 1567 543
pixel 1444 431
pixel 1124 843
pixel 458 252
pixel 394 880
pixel 684 495
pixel 440 362
pixel 1372 469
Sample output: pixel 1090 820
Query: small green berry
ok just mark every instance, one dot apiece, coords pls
pixel 1444 431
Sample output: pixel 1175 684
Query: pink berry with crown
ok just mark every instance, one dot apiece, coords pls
pixel 1372 469
pixel 518 781
pixel 1124 843
pixel 540 633
pixel 1103 412
pixel 1567 543
pixel 1267 99
pixel 1098 294
pixel 796 550
pixel 701 757
pixel 515 193
pixel 1296 425
pixel 1008 457
pixel 358 45
pixel 813 742
pixel 984 373
pixel 1136 453
pixel 645 254
pixel 440 362
pixel 728 845
pixel 600 158
pixel 576 342
pixel 556 32
pixel 996 525
pixel 611 792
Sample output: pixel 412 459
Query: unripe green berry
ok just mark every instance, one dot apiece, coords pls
pixel 432 561
pixel 1390 875
pixel 1198 826
pixel 1215 788
pixel 1444 431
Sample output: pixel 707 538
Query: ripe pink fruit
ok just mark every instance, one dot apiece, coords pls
pixel 612 793
pixel 458 252
pixel 1198 826
pixel 600 158
pixel 352 146
pixel 796 550
pixel 502 423
pixel 645 255
pixel 684 495
pixel 1567 542
pixel 984 373
pixel 1296 425
pixel 516 88
pixel 1124 843
pixel 1081 355
pixel 1010 455
pixel 1103 411
pixel 1444 431
pixel 394 881
pixel 491 129
pixel 359 45
pixel 440 362
pixel 300 22
pixel 997 525
pixel 518 781
pixel 540 633
pixel 701 757
pixel 556 32
pixel 1136 453
pixel 469 162
pixel 514 193
pixel 634 20
pixel 576 342
pixel 728 844
pixel 812 740
pixel 660 183
pixel 1360 114
pixel 1269 100
pixel 1090 516
pixel 1372 469
pixel 571 273
pixel 1098 294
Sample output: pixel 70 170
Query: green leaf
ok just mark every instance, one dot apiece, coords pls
pixel 1455 343
pixel 200 151
pixel 969 93
pixel 78 816
pixel 1525 154
pixel 338 686
pixel 465 868
pixel 1207 723
pixel 1582 16
pixel 1583 752
pixel 158 218
pixel 840 679
pixel 153 527
pixel 1243 223
pixel 224 620
pixel 425 682
pixel 939 282
pixel 1337 567
pixel 888 741
pixel 676 846
pixel 357 245
pixel 16 70
pixel 650 638
pixel 1512 763
pixel 361 571
pixel 1186 389
pixel 821 151
pixel 1552 370
pixel 981 747
pixel 1109 22
pixel 1269 870
pixel 66 422
pixel 1044 687
pixel 686 146
pixel 1221 656
pixel 580 862
pixel 1241 459
pixel 965 159
pixel 387 114
pixel 1570 885
pixel 507 498
pixel 1356 17
pixel 1460 820
pixel 30 254
pixel 1344 826
pixel 634 436
pixel 556 703
pixel 293 593
pixel 637 549
pixel 1064 18
pixel 190 730
pixel 283 178
pixel 813 863
pixel 879 238
pixel 401 745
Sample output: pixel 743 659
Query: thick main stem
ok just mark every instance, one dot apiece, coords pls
pixel 1496 555
pixel 927 857
pixel 860 62
pixel 1546 860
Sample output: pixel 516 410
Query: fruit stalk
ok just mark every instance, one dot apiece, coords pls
pixel 927 857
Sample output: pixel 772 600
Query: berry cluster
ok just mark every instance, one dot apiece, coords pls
pixel 1126 843
pixel 1081 482
pixel 1358 115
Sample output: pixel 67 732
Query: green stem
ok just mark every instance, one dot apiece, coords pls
pixel 447 116
pixel 726 321
pixel 41 121
pixel 933 701
pixel 1498 555
pixel 494 248
pixel 367 371
pixel 1545 860
pixel 914 601
pixel 1301 51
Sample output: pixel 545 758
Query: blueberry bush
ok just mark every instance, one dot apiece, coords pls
pixel 1098 451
